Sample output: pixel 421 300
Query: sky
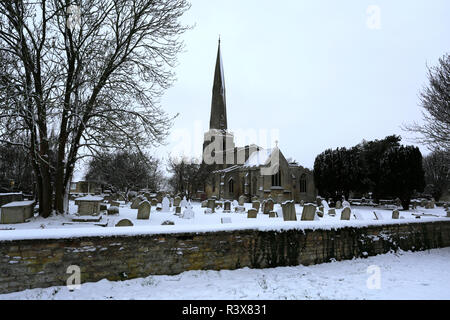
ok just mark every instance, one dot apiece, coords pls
pixel 311 75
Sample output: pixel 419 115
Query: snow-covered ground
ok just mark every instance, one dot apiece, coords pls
pixel 402 275
pixel 63 226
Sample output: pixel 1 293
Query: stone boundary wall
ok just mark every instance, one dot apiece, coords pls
pixel 42 263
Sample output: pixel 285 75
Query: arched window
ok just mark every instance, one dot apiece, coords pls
pixel 231 186
pixel 302 183
pixel 276 179
pixel 254 185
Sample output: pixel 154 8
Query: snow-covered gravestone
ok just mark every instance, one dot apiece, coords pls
pixel 309 212
pixel 395 214
pixel 226 206
pixel 188 213
pixel 165 205
pixel 346 204
pixel 345 214
pixel 325 205
pixel 184 202
pixel 289 211
pixel 144 210
pixel 235 203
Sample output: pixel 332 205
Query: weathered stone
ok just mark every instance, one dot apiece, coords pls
pixel 205 204
pixel 273 214
pixel 177 210
pixel 302 203
pixel 154 202
pixel 114 203
pixel 124 223
pixel 320 213
pixel 212 205
pixel 289 213
pixel 252 213
pixel 338 205
pixel 309 212
pixel 144 210
pixel 16 212
pixel 136 202
pixel 165 205
pixel 395 214
pixel 103 207
pixel 345 214
pixel 242 200
pixel 112 210
pixel 239 209
pixel 332 212
pixel 89 205
pixel 176 201
pixel 255 205
pixel 267 206
pixel 226 206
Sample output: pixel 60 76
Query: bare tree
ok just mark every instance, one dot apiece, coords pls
pixel 93 72
pixel 435 100
pixel 437 173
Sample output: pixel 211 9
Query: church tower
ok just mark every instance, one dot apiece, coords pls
pixel 218 145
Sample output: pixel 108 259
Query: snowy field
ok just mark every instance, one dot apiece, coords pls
pixel 63 226
pixel 403 275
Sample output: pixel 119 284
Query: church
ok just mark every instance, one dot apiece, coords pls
pixel 252 171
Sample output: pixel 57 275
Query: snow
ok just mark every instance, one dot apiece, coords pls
pixel 62 226
pixel 258 158
pixel 18 203
pixel 90 198
pixel 403 275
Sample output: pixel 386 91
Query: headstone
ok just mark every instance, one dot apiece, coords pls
pixel 114 203
pixel 16 211
pixel 204 203
pixel 448 213
pixel 226 206
pixel 273 214
pixel 208 211
pixel 239 209
pixel 225 220
pixel 184 202
pixel 338 205
pixel 267 206
pixel 176 201
pixel 288 208
pixel 332 212
pixel 255 205
pixel 188 213
pixel 165 205
pixel 159 207
pixel 88 205
pixel 346 204
pixel 320 213
pixel 235 203
pixel 325 206
pixel 177 210
pixel 103 207
pixel 124 223
pixel 252 213
pixel 321 208
pixel 423 203
pixel 144 210
pixel 395 214
pixel 345 214
pixel 154 202
pixel 241 200
pixel 398 202
pixel 112 210
pixel 302 203
pixel 212 204
pixel 136 202
pixel 255 198
pixel 309 212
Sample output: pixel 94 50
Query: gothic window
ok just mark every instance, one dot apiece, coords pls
pixel 303 183
pixel 231 186
pixel 254 185
pixel 276 179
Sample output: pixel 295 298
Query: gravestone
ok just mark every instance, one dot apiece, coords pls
pixel 241 200
pixel 255 198
pixel 346 204
pixel 165 205
pixel 184 202
pixel 288 208
pixel 273 214
pixel 88 205
pixel 212 205
pixel 267 206
pixel 144 210
pixel 188 213
pixel 114 203
pixel 136 202
pixel 124 223
pixel 338 205
pixel 103 207
pixel 112 210
pixel 204 203
pixel 332 212
pixel 325 206
pixel 321 208
pixel 154 202
pixel 177 210
pixel 235 203
pixel 345 214
pixel 252 213
pixel 227 206
pixel 159 207
pixel 320 213
pixel 309 212
pixel 395 214
pixel 17 211
pixel 302 203
pixel 398 202
pixel 225 220
pixel 448 213
pixel 255 205
pixel 176 201
pixel 239 209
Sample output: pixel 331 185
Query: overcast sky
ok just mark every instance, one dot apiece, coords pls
pixel 322 74
pixel 312 74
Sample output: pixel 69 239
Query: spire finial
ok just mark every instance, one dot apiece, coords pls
pixel 219 38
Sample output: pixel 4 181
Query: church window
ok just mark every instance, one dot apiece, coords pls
pixel 276 179
pixel 231 186
pixel 303 183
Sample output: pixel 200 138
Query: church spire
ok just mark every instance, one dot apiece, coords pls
pixel 218 118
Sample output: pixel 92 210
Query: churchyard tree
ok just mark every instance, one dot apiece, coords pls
pixel 437 173
pixel 90 71
pixel 125 171
pixel 435 102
